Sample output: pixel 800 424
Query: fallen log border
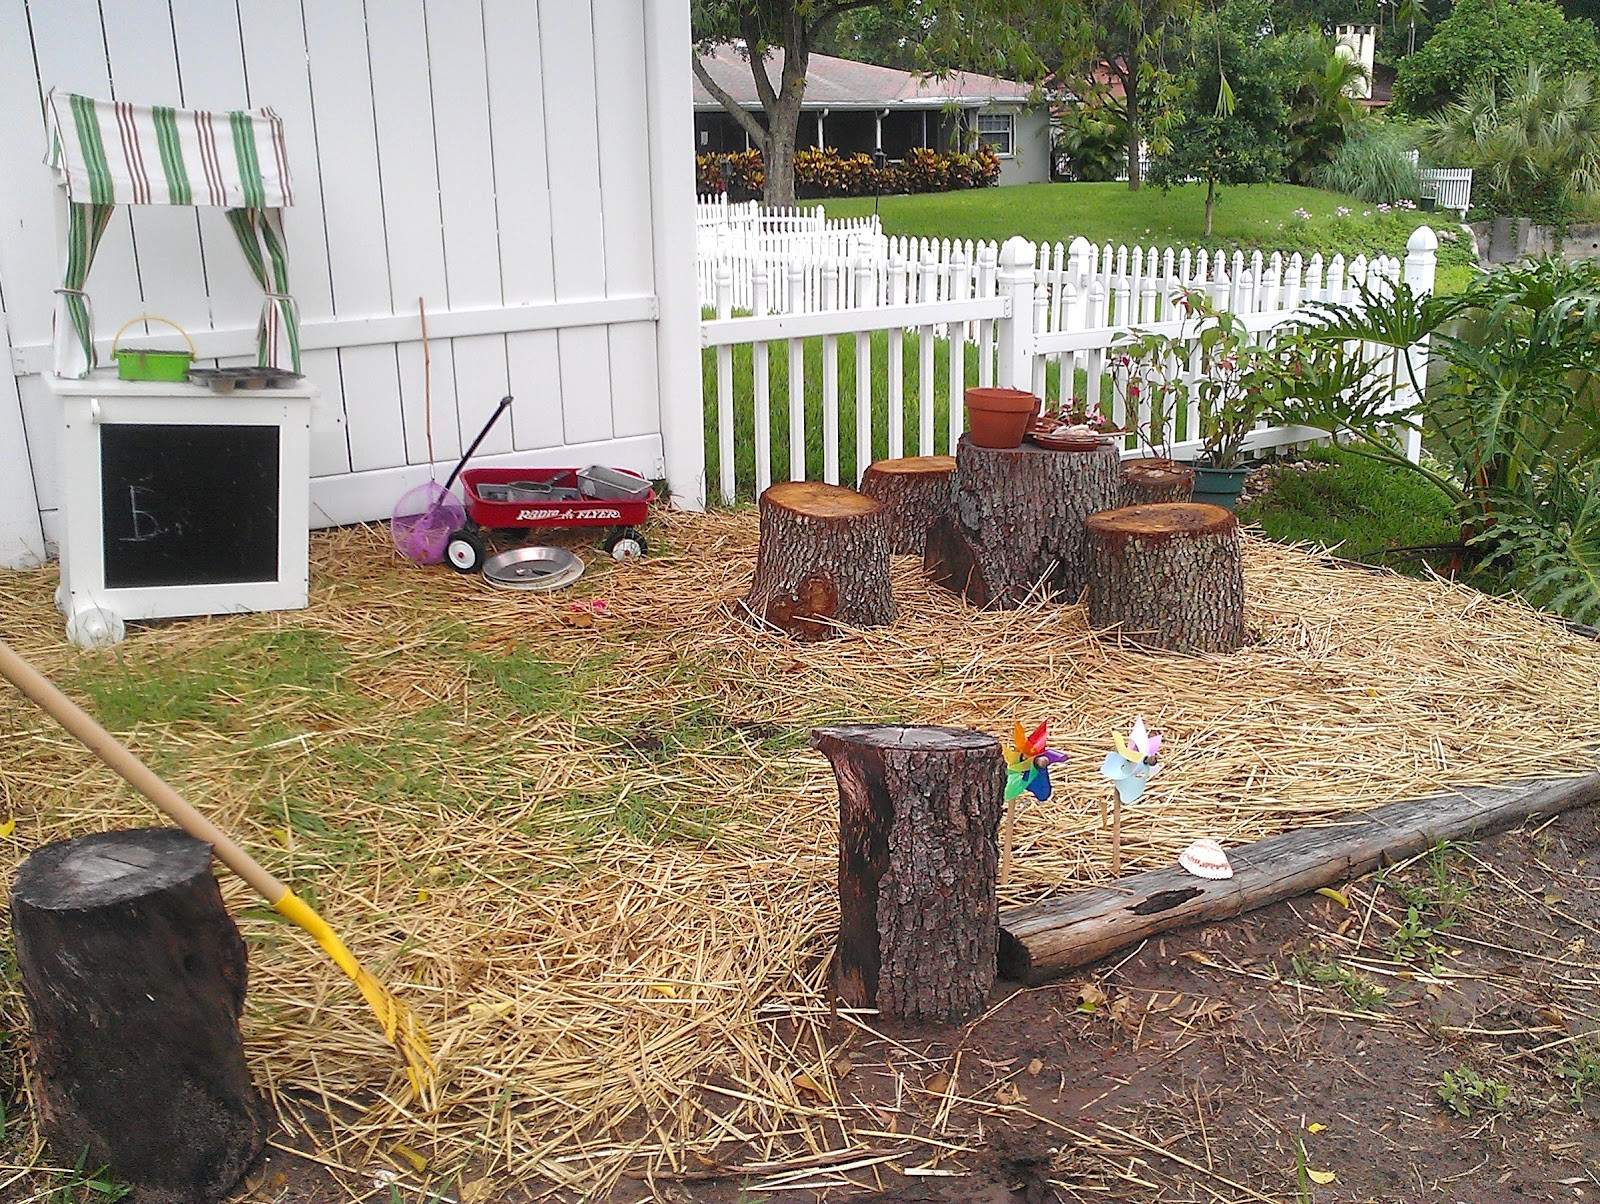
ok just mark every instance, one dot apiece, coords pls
pixel 1043 940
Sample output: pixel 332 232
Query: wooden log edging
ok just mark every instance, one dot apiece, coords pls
pixel 1047 939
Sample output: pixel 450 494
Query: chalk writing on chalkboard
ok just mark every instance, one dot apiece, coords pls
pixel 188 505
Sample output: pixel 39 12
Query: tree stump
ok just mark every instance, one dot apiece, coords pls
pixel 135 977
pixel 1016 521
pixel 914 491
pixel 1152 480
pixel 823 560
pixel 1168 576
pixel 919 808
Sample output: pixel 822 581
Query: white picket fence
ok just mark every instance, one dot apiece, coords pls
pixel 1113 281
pixel 1028 317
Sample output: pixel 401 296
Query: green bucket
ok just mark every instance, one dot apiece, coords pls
pixel 143 363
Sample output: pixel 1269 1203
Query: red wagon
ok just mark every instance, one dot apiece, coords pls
pixel 534 499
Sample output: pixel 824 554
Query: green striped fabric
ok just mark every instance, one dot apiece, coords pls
pixel 108 153
pixel 111 152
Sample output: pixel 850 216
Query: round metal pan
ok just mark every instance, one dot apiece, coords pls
pixel 534 567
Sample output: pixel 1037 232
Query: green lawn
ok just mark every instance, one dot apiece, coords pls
pixel 1361 508
pixel 1250 216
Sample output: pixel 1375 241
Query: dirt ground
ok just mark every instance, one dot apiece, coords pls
pixel 1431 1036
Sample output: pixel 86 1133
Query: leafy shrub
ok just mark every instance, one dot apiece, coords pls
pixel 1511 409
pixel 1091 142
pixel 826 172
pixel 1372 164
pixel 740 174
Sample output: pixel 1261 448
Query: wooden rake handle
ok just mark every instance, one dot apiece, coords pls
pixel 135 772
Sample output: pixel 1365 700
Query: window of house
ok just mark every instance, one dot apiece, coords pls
pixel 997 131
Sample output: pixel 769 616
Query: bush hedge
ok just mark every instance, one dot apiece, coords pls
pixel 827 172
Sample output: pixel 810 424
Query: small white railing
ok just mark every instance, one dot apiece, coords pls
pixel 1451 186
pixel 1026 317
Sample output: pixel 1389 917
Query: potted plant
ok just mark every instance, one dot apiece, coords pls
pixel 1214 360
pixel 999 417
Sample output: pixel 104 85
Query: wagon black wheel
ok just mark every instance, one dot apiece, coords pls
pixel 465 551
pixel 625 543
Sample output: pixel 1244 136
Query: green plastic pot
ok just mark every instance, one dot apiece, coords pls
pixel 1219 486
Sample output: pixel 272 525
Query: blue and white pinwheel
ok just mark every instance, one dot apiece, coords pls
pixel 1131 768
pixel 1028 762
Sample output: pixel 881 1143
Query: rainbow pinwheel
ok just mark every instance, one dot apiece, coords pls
pixel 1028 761
pixel 1131 768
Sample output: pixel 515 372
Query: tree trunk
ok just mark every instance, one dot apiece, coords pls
pixel 1211 198
pixel 1016 522
pixel 135 977
pixel 1153 479
pixel 918 918
pixel 822 561
pixel 777 160
pixel 1168 576
pixel 914 491
pixel 783 120
pixel 1135 134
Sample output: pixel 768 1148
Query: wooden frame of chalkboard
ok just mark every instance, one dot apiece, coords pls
pixel 178 501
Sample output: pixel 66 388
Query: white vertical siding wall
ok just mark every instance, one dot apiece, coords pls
pixel 501 160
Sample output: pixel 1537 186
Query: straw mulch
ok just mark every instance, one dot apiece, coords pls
pixel 599 861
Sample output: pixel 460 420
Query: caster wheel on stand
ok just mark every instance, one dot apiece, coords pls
pixel 92 626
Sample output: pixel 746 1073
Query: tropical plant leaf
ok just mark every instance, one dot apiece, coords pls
pixel 1551 537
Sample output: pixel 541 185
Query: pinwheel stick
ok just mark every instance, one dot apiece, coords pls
pixel 1116 834
pixel 1008 830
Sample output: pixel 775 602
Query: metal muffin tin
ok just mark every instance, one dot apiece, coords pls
pixel 535 567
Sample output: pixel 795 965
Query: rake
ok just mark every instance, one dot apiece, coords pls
pixel 401 1028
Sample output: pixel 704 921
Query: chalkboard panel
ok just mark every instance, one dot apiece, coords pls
pixel 189 505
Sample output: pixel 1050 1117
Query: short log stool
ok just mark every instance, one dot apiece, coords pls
pixel 823 560
pixel 914 491
pixel 1169 576
pixel 135 977
pixel 1151 480
pixel 919 922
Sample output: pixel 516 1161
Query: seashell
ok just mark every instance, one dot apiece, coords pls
pixel 1205 859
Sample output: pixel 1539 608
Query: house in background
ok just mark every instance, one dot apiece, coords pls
pixel 857 107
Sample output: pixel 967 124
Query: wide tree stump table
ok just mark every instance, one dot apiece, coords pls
pixel 919 922
pixel 134 975
pixel 1015 522
pixel 822 561
pixel 914 491
pixel 1168 576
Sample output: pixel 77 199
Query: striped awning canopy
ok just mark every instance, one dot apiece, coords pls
pixel 106 153
pixel 111 152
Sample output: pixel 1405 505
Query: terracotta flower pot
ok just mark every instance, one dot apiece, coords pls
pixel 999 417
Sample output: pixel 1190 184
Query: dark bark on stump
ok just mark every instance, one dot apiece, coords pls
pixel 823 560
pixel 1169 577
pixel 914 491
pixel 1016 520
pixel 1151 481
pixel 135 977
pixel 919 808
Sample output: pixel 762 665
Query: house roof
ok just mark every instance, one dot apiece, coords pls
pixel 845 84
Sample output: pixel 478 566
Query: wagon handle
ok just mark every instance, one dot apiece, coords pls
pixel 482 435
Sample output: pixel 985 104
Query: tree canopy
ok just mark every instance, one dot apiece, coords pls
pixel 1493 42
pixel 998 37
pixel 1232 116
